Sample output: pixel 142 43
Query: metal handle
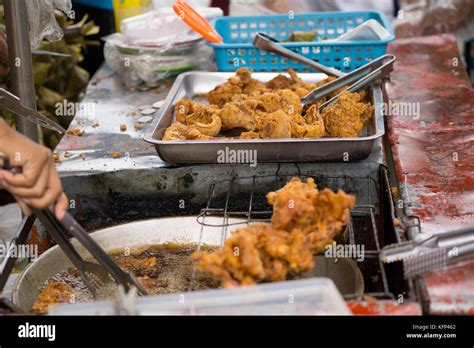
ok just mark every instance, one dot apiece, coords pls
pixel 267 43
pixel 13 103
pixel 344 80
pixel 51 225
pixel 9 260
pixel 463 252
pixel 121 277
pixel 453 238
pixel 374 75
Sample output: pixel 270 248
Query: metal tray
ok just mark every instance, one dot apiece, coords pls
pixel 262 150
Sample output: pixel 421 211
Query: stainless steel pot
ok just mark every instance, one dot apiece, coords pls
pixel 141 234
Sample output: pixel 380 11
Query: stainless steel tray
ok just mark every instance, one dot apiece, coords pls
pixel 264 150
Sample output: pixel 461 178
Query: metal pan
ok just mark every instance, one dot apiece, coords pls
pixel 345 273
pixel 265 150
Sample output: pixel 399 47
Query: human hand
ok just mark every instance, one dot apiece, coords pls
pixel 38 185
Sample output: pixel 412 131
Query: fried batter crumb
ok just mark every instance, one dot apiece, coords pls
pixel 76 132
pixel 54 292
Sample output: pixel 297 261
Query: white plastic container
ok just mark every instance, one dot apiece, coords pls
pixel 162 26
pixel 317 296
pixel 370 30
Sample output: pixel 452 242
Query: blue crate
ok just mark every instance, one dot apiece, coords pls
pixel 237 50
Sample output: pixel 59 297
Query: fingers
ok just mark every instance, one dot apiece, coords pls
pixel 32 169
pixel 24 207
pixel 36 190
pixel 52 193
pixel 61 207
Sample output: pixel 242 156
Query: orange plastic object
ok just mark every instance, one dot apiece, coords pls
pixel 197 22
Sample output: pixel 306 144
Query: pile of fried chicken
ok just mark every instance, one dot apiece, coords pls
pixel 268 110
pixel 304 221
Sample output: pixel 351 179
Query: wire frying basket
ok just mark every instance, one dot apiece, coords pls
pixel 240 201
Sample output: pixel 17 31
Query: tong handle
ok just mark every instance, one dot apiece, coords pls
pixel 267 43
pixel 8 262
pixel 448 239
pixel 121 277
pixel 48 220
pixel 13 103
pixel 344 80
pixel 374 75
pixel 73 227
pixel 463 252
pixel 58 230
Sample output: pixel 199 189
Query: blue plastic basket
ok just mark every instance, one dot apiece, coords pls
pixel 237 50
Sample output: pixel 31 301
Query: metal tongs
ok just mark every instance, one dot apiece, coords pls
pixel 269 44
pixel 357 80
pixel 427 252
pixel 13 103
pixel 95 276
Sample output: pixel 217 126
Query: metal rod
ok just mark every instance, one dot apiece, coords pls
pixel 8 263
pixel 20 61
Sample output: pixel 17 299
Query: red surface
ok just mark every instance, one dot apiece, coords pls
pixel 434 155
pixel 451 290
pixel 385 307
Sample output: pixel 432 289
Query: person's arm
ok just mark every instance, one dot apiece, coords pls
pixel 39 184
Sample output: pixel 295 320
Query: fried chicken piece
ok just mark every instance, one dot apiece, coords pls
pixel 314 126
pixel 252 113
pixel 179 131
pixel 238 262
pixel 205 119
pixel 239 113
pixel 284 100
pixel 243 259
pixel 273 125
pixel 300 254
pixel 293 204
pixel 241 83
pixel 294 83
pixel 304 221
pixel 302 206
pixel 183 108
pixel 249 135
pixel 347 116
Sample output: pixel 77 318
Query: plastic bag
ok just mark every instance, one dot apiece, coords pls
pixel 162 28
pixel 142 68
pixel 157 45
pixel 42 21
